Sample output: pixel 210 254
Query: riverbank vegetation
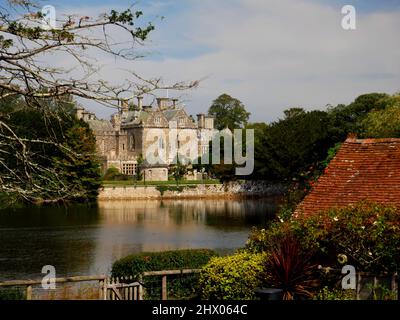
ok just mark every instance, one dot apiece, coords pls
pixel 365 235
pixel 302 256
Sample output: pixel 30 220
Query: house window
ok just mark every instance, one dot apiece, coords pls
pixel 181 121
pixel 157 120
pixel 132 142
pixel 129 169
pixel 161 143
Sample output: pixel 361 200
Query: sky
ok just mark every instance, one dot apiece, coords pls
pixel 269 54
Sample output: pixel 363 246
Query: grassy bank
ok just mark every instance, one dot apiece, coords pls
pixel 158 183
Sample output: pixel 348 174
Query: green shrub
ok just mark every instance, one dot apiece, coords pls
pixel 180 286
pixel 111 173
pixel 366 233
pixel 179 189
pixel 335 294
pixel 13 293
pixel 233 277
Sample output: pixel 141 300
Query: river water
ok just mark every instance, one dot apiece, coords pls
pixel 86 240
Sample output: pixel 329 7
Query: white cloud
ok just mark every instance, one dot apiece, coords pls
pixel 274 54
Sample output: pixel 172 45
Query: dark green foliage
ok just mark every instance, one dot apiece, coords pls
pixel 138 173
pixel 347 118
pixel 57 161
pixel 228 112
pixel 136 264
pixel 179 189
pixel 292 147
pixel 295 148
pixel 222 171
pixel 331 154
pixel 12 293
pixel 111 174
pixel 178 171
pixel 182 286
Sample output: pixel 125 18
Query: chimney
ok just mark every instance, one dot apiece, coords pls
pixel 140 103
pixel 201 120
pixel 124 107
pixel 174 101
pixel 116 121
pixel 162 103
pixel 79 112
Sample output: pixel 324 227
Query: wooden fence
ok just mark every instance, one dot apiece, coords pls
pixel 123 288
pixel 366 282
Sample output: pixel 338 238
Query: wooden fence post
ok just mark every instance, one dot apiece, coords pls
pixel 164 288
pixel 105 289
pixel 101 286
pixel 140 288
pixel 395 285
pixel 29 293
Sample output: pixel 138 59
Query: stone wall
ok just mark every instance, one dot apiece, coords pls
pixel 231 190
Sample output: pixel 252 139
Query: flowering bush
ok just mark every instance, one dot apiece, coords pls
pixel 367 234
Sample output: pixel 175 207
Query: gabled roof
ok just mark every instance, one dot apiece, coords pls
pixel 363 169
pixel 170 114
pixel 174 114
pixel 100 125
pixel 135 117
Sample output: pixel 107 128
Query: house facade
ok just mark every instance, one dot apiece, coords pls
pixel 162 131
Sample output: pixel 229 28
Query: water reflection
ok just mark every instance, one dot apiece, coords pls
pixel 87 239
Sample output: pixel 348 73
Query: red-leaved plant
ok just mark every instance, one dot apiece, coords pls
pixel 288 268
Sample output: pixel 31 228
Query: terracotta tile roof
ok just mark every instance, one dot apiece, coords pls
pixel 363 169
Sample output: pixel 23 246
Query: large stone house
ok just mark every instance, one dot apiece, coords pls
pixel 128 135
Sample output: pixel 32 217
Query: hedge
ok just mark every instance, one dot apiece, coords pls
pixel 233 277
pixel 179 286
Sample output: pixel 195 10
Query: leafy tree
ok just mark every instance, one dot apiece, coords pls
pixel 292 147
pixel 81 171
pixel 228 112
pixel 348 118
pixel 383 123
pixel 178 171
pixel 223 171
pixel 138 173
pixel 61 163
